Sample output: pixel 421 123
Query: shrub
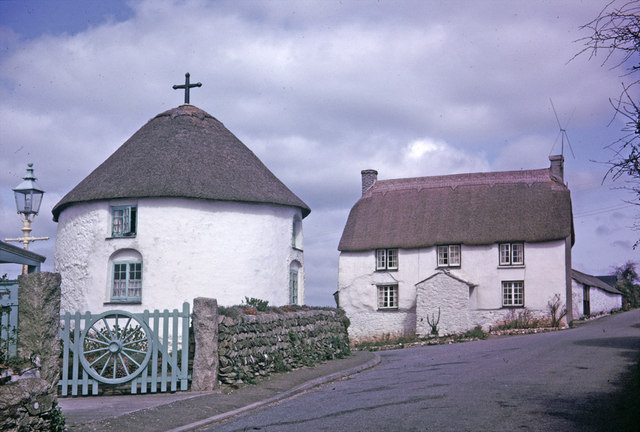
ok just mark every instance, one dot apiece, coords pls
pixel 258 304
pixel 520 319
pixel 557 311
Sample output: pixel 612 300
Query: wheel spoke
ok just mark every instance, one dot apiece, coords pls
pixel 96 350
pixel 135 350
pixel 136 341
pixel 97 341
pixel 131 358
pixel 106 324
pixel 98 359
pixel 124 365
pixel 99 334
pixel 106 363
pixel 126 325
pixel 131 333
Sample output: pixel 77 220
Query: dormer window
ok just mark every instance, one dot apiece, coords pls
pixel 123 221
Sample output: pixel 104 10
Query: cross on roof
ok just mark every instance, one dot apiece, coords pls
pixel 186 86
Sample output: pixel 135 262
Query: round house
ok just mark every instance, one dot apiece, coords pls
pixel 182 209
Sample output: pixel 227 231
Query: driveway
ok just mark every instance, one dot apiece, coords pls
pixel 560 381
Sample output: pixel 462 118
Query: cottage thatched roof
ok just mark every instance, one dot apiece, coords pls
pixel 592 281
pixel 472 209
pixel 183 152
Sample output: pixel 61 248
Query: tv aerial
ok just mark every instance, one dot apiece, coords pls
pixel 562 133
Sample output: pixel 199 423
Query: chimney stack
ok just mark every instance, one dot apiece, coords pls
pixel 557 167
pixel 369 178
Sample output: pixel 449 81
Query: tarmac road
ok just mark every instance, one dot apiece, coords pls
pixel 560 381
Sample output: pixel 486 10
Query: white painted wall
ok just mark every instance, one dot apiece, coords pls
pixel 442 301
pixel 189 248
pixel 600 301
pixel 544 275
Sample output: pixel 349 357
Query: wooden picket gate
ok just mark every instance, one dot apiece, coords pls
pixel 8 319
pixel 148 351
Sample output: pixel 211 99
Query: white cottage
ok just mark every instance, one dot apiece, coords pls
pixel 462 250
pixel 592 296
pixel 182 209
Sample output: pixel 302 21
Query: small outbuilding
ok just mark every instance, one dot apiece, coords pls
pixel 592 296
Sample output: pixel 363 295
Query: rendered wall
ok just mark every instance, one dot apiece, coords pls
pixel 544 275
pixel 600 301
pixel 189 249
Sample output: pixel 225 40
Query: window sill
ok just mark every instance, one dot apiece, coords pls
pixel 387 309
pixel 386 270
pixel 120 237
pixel 517 266
pixel 512 306
pixel 444 267
pixel 124 302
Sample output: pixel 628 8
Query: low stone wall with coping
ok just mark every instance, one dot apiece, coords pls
pixel 250 346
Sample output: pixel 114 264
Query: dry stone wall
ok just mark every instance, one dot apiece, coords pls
pixel 250 346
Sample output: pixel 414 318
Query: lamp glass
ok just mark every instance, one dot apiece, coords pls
pixel 28 200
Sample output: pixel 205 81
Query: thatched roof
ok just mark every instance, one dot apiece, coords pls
pixel 471 209
pixel 183 152
pixel 592 281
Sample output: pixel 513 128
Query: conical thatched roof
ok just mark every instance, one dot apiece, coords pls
pixel 183 152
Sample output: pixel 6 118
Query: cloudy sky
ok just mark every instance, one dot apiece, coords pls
pixel 319 90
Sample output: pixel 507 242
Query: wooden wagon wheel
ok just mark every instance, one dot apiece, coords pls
pixel 116 347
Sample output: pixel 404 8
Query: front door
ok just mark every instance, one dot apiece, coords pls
pixel 586 301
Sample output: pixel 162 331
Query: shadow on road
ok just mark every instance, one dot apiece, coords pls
pixel 618 411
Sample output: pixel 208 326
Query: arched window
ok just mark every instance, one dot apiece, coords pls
pixel 294 285
pixel 296 236
pixel 126 276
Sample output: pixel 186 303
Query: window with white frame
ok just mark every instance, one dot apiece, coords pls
pixel 511 254
pixel 387 296
pixel 449 256
pixel 513 293
pixel 127 282
pixel 293 286
pixel 386 259
pixel 123 221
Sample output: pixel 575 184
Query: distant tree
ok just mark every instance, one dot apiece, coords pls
pixel 615 32
pixel 628 285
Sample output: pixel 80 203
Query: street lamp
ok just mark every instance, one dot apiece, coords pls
pixel 28 200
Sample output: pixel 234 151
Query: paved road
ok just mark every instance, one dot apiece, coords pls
pixel 561 381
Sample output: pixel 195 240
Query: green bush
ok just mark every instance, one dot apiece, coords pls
pixel 259 304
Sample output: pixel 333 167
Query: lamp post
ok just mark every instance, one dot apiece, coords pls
pixel 28 199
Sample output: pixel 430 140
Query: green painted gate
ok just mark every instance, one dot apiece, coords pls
pixel 140 350
pixel 8 319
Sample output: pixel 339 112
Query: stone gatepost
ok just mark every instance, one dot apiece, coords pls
pixel 38 323
pixel 28 401
pixel 205 331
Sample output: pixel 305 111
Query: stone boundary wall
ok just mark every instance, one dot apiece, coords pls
pixel 250 346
